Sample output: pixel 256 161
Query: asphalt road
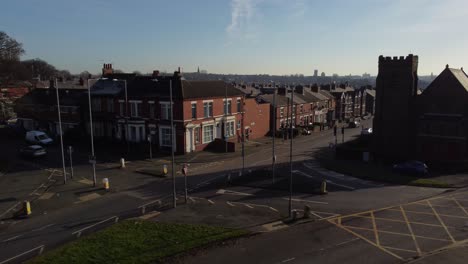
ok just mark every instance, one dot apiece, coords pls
pixel 346 195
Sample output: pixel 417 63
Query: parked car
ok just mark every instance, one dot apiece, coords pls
pixel 412 167
pixel 366 131
pixel 33 151
pixel 38 137
pixel 354 124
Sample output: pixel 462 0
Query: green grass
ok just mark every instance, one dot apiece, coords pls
pixel 135 241
pixel 376 172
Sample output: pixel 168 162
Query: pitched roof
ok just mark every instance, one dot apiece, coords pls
pixel 370 92
pixel 41 96
pixel 461 76
pixel 206 89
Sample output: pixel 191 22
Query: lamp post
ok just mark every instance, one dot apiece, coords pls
pixel 291 154
pixel 92 159
pixel 273 165
pixel 60 132
pixel 174 200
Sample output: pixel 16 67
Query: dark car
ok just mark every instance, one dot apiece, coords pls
pixel 354 124
pixel 412 167
pixel 33 151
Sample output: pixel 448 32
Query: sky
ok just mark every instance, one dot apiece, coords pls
pixel 239 36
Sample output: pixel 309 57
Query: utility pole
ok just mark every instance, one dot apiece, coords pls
pixel 60 132
pixel 273 165
pixel 126 118
pixel 291 155
pixel 243 136
pixel 150 147
pixel 70 151
pixel 172 147
pixel 92 158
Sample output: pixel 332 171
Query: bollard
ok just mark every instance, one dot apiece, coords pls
pixel 122 163
pixel 105 182
pixel 26 208
pixel 323 187
pixel 306 211
pixel 164 170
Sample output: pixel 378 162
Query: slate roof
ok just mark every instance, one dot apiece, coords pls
pixel 41 96
pixel 450 77
pixel 370 92
pixel 461 76
pixel 206 89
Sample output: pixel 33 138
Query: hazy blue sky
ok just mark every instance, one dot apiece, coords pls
pixel 239 36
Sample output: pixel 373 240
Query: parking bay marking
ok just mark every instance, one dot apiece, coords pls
pixel 223 191
pixel 254 205
pixel 307 201
pixel 328 181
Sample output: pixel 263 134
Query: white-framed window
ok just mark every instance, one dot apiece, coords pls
pixel 238 124
pixel 166 136
pixel 229 129
pixel 110 105
pixel 239 106
pixel 194 110
pixel 165 110
pixel 208 133
pixel 151 110
pixel 227 107
pixel 281 112
pixel 208 109
pixel 134 107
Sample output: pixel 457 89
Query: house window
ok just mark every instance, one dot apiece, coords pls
pixel 281 112
pixel 151 110
pixel 132 133
pixel 301 108
pixel 194 110
pixel 166 136
pixel 135 108
pixel 229 129
pixel 208 109
pixel 165 111
pixel 121 108
pixel 227 107
pixel 110 105
pixel 196 133
pixel 238 124
pixel 207 134
pixel 96 104
pixel 239 107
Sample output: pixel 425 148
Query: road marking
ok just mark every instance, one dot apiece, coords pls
pixel 191 199
pixel 461 207
pixel 367 240
pixel 397 233
pixel 223 191
pixel 86 181
pixel 416 212
pixel 374 226
pixel 307 201
pixel 230 204
pixel 210 201
pixel 287 260
pixel 346 242
pixel 400 249
pixel 254 205
pixel 42 228
pixel 40 248
pixel 248 206
pixel 150 215
pixel 9 209
pixel 88 197
pixel 440 220
pixel 400 221
pixel 328 181
pixel 12 238
pixel 411 230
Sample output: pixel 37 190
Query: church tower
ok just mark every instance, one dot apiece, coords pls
pixel 394 124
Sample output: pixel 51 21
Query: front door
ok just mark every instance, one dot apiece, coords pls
pixel 191 140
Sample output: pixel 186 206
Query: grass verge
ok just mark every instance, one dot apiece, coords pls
pixel 135 241
pixel 376 172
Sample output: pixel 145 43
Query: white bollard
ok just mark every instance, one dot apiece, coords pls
pixel 122 163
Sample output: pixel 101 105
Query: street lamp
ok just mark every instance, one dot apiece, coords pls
pixel 126 112
pixel 60 132
pixel 273 165
pixel 291 153
pixel 92 158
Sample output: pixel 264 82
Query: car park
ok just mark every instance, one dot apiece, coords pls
pixel 33 151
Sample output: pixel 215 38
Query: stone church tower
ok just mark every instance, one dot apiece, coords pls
pixel 394 123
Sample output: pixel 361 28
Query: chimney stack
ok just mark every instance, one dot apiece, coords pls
pixel 155 73
pixel 107 69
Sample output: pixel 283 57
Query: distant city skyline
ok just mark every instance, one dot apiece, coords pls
pixel 240 36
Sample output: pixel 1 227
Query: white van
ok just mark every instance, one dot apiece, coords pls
pixel 38 137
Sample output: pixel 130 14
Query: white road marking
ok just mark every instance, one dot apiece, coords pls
pixel 307 201
pixel 287 260
pixel 40 248
pixel 230 204
pixel 9 209
pixel 222 191
pixel 251 207
pixel 210 201
pixel 328 181
pixel 42 228
pixel 12 238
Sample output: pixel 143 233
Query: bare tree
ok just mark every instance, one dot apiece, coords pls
pixel 10 49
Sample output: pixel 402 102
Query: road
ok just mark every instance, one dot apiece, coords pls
pixel 54 222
